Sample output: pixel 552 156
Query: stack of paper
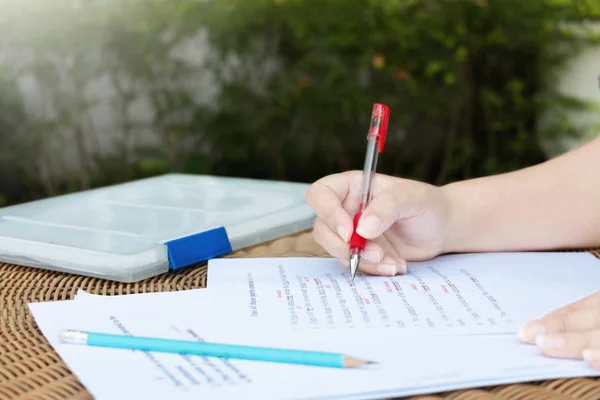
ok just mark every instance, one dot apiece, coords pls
pixel 449 323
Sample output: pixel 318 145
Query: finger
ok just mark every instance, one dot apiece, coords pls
pixel 585 319
pixel 578 316
pixel 590 301
pixel 326 196
pixel 331 242
pixel 592 356
pixel 388 266
pixel 399 202
pixel 339 249
pixel 568 345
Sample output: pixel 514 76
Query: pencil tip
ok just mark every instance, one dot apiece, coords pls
pixel 353 362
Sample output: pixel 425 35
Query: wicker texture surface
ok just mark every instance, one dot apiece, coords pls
pixel 30 369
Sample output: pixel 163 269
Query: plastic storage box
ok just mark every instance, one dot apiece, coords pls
pixel 140 229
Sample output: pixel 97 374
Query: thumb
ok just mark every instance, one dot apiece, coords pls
pixel 387 207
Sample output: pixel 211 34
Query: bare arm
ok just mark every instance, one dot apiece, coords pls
pixel 552 205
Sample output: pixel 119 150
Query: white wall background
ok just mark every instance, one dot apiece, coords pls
pixel 104 129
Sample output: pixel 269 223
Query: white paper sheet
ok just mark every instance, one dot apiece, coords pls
pixel 407 365
pixel 474 293
pixel 519 285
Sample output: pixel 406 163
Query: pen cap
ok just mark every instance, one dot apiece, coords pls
pixel 379 124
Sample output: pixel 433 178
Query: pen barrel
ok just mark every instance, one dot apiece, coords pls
pixel 369 169
pixel 357 242
pixel 324 359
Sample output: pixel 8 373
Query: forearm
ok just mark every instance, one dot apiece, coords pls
pixel 553 205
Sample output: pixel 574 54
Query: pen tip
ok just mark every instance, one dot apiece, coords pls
pixel 354 262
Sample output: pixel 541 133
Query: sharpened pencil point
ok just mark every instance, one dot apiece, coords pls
pixel 353 362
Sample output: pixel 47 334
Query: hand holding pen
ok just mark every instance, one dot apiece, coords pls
pixel 376 223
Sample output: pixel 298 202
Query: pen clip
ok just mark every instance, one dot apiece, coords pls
pixel 379 124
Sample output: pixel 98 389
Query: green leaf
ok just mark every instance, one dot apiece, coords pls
pixel 450 78
pixel 433 67
pixel 461 54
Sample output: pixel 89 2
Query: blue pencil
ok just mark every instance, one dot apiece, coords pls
pixel 315 358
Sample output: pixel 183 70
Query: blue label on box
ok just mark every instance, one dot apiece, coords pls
pixel 197 248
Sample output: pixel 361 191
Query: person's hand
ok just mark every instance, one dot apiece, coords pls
pixel 572 331
pixel 405 220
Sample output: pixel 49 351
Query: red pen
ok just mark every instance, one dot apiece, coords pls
pixel 375 143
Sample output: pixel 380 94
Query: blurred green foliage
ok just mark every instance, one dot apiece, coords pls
pixel 466 81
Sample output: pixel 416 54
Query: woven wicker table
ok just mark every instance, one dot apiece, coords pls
pixel 30 369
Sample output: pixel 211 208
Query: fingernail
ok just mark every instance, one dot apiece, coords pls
pixel 368 225
pixel 402 268
pixel 529 332
pixel 372 256
pixel 549 342
pixel 590 355
pixel 343 233
pixel 387 269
